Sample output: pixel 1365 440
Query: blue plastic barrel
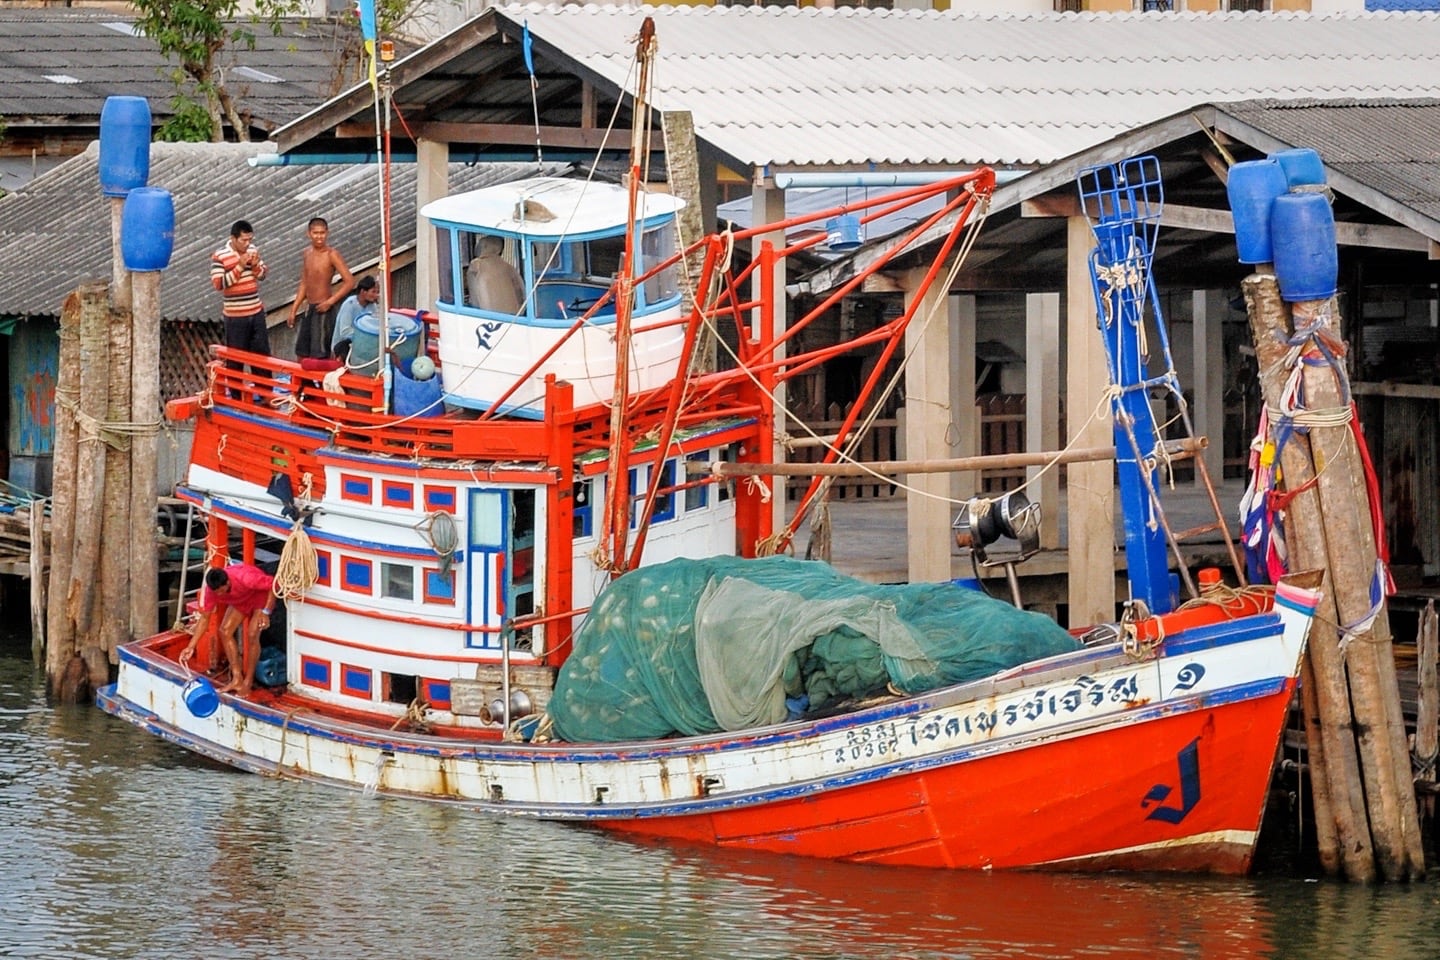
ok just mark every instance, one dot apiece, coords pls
pixel 1252 188
pixel 1302 232
pixel 1302 167
pixel 147 229
pixel 405 336
pixel 124 145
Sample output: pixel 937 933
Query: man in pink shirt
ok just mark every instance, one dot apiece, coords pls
pixel 240 590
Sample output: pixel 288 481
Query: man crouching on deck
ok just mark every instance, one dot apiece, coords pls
pixel 239 590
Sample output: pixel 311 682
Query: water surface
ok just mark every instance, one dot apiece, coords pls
pixel 118 845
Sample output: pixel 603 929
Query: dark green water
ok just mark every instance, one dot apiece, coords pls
pixel 113 844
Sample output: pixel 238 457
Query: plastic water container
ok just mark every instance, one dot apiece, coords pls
pixel 124 145
pixel 1252 188
pixel 1302 232
pixel 423 398
pixel 365 345
pixel 1302 166
pixel 147 229
pixel 200 697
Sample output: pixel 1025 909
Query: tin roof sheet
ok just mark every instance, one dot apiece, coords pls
pixel 791 86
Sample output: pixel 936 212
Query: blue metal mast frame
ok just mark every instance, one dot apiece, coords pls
pixel 1123 202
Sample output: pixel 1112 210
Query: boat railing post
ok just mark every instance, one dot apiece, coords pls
pixel 507 632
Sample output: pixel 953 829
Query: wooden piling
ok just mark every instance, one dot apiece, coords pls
pixel 1334 760
pixel 1427 711
pixel 60 629
pixel 112 624
pixel 145 410
pixel 1369 657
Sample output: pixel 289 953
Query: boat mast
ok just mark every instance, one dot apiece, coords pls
pixel 617 479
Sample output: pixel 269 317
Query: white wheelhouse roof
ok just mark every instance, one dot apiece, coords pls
pixel 524 208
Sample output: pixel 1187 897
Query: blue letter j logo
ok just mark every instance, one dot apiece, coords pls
pixel 1189 763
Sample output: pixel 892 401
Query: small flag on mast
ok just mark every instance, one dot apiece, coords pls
pixel 365 10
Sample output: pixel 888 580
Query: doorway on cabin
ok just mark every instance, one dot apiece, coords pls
pixel 500 567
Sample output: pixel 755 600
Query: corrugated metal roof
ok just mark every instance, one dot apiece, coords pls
pixel 809 87
pixel 1390 147
pixel 55 231
pixel 100 50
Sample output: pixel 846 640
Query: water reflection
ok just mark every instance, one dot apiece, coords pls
pixel 119 845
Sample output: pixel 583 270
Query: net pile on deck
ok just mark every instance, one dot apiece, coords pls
pixel 698 646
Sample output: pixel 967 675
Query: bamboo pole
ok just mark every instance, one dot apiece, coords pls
pixel 1375 691
pixel 113 625
pixel 60 632
pixel 145 410
pixel 1334 763
pixel 1178 450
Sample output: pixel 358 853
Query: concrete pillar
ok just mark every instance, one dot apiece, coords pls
pixel 964 432
pixel 1090 494
pixel 1208 379
pixel 928 419
pixel 1042 405
pixel 432 181
pixel 767 205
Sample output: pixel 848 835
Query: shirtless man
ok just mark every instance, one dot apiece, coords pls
pixel 317 271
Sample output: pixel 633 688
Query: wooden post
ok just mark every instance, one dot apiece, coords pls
pixel 1427 712
pixel 60 628
pixel 112 624
pixel 1375 692
pixel 1336 778
pixel 90 475
pixel 145 410
pixel 682 164
pixel 37 581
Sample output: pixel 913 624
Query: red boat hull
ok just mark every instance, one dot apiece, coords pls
pixel 1092 802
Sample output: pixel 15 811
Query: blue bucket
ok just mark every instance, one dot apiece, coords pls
pixel 1302 231
pixel 124 145
pixel 1302 167
pixel 147 229
pixel 200 697
pixel 1252 188
pixel 843 232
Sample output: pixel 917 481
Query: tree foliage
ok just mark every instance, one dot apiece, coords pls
pixel 194 33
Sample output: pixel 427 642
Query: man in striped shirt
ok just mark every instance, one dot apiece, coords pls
pixel 236 271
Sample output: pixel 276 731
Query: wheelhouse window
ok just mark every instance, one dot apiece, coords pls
pixel 445 263
pixel 657 244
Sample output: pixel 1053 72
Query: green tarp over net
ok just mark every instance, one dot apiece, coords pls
pixel 699 646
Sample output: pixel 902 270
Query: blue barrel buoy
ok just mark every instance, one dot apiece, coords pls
pixel 124 145
pixel 1302 166
pixel 1302 232
pixel 1252 187
pixel 147 229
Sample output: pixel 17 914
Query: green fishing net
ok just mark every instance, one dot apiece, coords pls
pixel 698 646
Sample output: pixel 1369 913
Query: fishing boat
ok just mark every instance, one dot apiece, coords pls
pixel 531 565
